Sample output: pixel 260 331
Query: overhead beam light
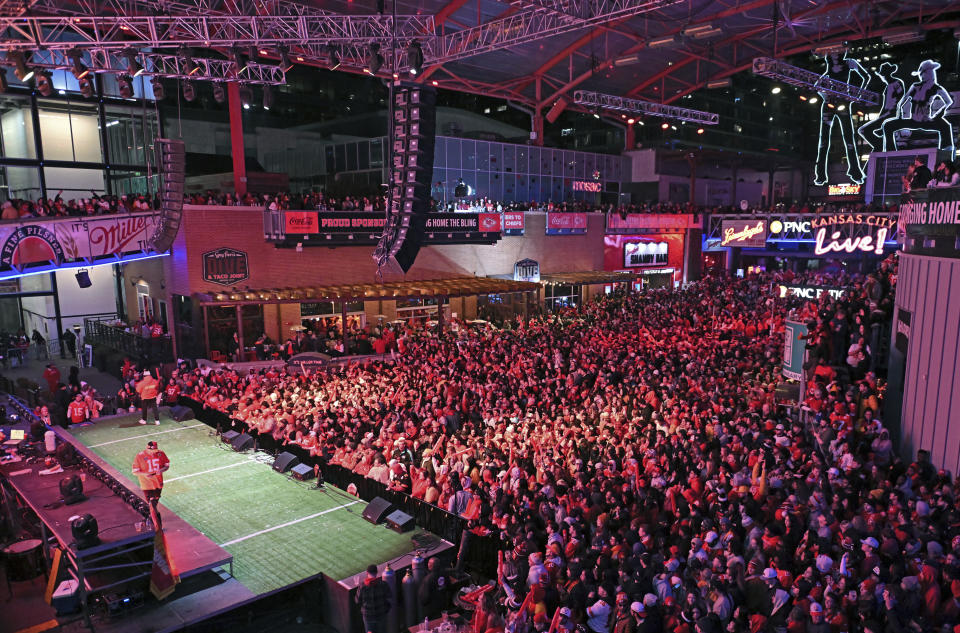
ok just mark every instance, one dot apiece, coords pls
pixel 219 94
pixel 268 98
pixel 77 67
pixel 134 67
pixel 22 72
pixel 285 64
pixel 373 60
pixel 663 42
pixel 333 56
pixel 775 90
pixel 719 83
pixel 189 90
pixel 702 31
pixel 415 58
pixel 190 66
pixel 158 92
pixel 125 86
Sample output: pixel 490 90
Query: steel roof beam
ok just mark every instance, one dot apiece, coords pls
pixel 643 108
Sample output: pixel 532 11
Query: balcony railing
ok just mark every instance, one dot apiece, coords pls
pixel 139 348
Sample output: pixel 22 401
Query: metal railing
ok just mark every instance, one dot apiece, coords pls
pixel 145 350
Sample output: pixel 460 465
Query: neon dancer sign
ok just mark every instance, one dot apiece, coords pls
pixel 923 108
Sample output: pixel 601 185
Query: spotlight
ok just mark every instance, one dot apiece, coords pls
pixel 267 97
pixel 134 67
pixel 43 83
pixel 189 90
pixel 334 56
pixel 86 86
pixel 665 125
pixel 415 58
pixel 21 71
pixel 285 63
pixel 775 90
pixel 699 130
pixel 85 531
pixel 246 96
pixel 841 107
pixel 77 66
pixel 158 91
pixel 190 66
pixel 374 60
pixel 812 100
pixel 219 94
pixel 631 121
pixel 125 84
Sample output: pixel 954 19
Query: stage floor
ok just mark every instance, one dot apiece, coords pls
pixel 279 531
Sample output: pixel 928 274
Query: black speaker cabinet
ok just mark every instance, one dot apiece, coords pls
pixel 229 436
pixel 377 509
pixel 301 472
pixel 284 462
pixel 181 414
pixel 242 442
pixel 399 521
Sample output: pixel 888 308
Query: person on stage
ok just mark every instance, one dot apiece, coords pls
pixel 149 466
pixel 148 389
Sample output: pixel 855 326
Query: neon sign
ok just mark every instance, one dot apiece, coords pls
pixel 846 189
pixel 850 244
pixel 743 234
pixel 923 108
pixel 810 292
pixel 586 185
pixel 839 112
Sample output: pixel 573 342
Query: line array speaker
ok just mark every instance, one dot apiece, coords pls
pixel 411 174
pixel 171 163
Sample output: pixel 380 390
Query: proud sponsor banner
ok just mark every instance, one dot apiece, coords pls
pixel 566 223
pixel 301 222
pixel 68 240
pixel 743 233
pixel 354 228
pixel 633 222
pixel 794 350
pixel 513 223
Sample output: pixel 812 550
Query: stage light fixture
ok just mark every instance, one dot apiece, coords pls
pixel 190 66
pixel 238 60
pixel 333 55
pixel 189 90
pixel 374 60
pixel 775 90
pixel 663 41
pixel 158 92
pixel 267 97
pixel 125 86
pixel 86 532
pixel 285 64
pixel 219 94
pixel 71 489
pixel 21 70
pixel 812 100
pixel 246 96
pixel 86 86
pixel 134 67
pixel 665 125
pixel 699 130
pixel 43 83
pixel 415 58
pixel 77 67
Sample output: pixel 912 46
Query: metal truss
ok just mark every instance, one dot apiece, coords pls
pixel 648 108
pixel 584 10
pixel 167 66
pixel 803 78
pixel 531 25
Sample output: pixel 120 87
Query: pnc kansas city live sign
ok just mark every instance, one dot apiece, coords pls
pixel 828 233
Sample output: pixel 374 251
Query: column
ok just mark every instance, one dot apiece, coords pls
pixel 206 332
pixel 236 138
pixel 440 302
pixel 343 324
pixel 630 138
pixel 241 354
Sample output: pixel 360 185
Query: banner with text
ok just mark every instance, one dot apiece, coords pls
pixel 566 223
pixel 357 228
pixel 633 222
pixel 513 223
pixel 743 233
pixel 794 350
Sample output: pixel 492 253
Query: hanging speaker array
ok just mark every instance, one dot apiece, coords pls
pixel 414 135
pixel 171 163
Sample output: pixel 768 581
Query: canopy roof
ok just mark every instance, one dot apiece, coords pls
pixel 589 277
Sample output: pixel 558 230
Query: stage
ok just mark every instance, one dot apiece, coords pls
pixel 230 513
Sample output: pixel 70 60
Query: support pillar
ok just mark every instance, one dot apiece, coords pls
pixel 630 138
pixel 770 176
pixel 538 129
pixel 58 318
pixel 440 302
pixel 236 138
pixel 733 189
pixel 692 162
pixel 206 332
pixel 241 354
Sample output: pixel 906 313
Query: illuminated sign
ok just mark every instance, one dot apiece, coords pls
pixel 806 224
pixel 586 185
pixel 747 233
pixel 922 108
pixel 809 292
pixel 839 112
pixel 930 212
pixel 527 270
pixel 846 189
pixel 225 266
pixel 838 233
pixel 637 254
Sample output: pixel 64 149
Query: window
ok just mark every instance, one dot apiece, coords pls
pixel 16 128
pixel 70 131
pixel 558 296
pixel 19 183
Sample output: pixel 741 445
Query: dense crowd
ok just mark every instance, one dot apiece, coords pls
pixel 634 461
pixel 57 207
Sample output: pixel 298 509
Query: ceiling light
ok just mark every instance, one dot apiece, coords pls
pixel 285 64
pixel 158 92
pixel 415 58
pixel 219 94
pixel 841 107
pixel 77 66
pixel 701 31
pixel 699 130
pixel 246 96
pixel 631 121
pixel 627 60
pixel 812 100
pixel 665 125
pixel 662 41
pixel 43 84
pixel 775 90
pixel 125 86
pixel 189 90
pixel 373 60
pixel 268 98
pixel 134 67
pixel 22 72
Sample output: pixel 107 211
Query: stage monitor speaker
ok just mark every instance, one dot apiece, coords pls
pixel 242 442
pixel 399 521
pixel 377 509
pixel 228 437
pixel 301 472
pixel 284 462
pixel 181 414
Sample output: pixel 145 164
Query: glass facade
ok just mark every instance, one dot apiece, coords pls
pixel 65 144
pixel 500 171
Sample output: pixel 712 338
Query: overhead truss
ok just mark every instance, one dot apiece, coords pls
pixel 645 108
pixel 803 78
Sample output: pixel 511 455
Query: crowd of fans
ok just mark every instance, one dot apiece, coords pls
pixel 57 207
pixel 633 459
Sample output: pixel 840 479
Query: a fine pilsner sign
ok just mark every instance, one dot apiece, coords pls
pixel 225 266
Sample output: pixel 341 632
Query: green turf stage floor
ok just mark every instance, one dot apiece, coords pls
pixel 278 530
